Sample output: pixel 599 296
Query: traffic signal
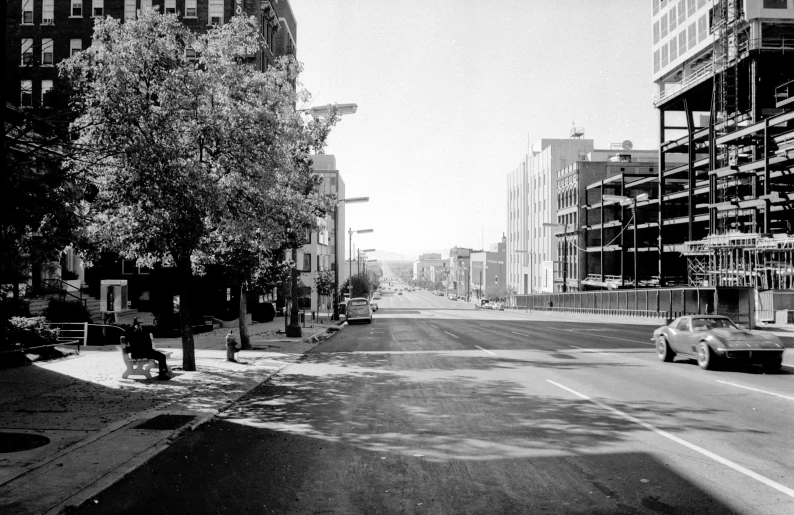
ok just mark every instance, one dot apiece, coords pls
pixel 496 280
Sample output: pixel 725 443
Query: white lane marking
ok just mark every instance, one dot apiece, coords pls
pixel 719 459
pixel 458 337
pixel 756 390
pixel 434 327
pixel 610 337
pixel 591 351
pixel 520 334
pixel 486 350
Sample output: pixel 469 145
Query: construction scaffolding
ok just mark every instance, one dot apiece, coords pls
pixel 742 259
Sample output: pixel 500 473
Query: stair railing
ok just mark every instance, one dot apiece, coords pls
pixel 58 284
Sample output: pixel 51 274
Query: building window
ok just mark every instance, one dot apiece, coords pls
pixel 655 6
pixel 75 45
pixel 701 3
pixel 129 9
pixel 146 3
pixel 774 4
pixel 27 52
pixel 170 6
pixel 690 7
pixel 665 56
pixel 664 26
pixel 98 8
pixel 702 27
pixel 47 12
pixel 26 93
pixel 46 52
pixel 190 8
pixel 307 262
pixel 682 42
pixel 673 18
pixel 27 12
pixel 692 36
pixel 46 87
pixel 673 49
pixel 681 12
pixel 77 8
pixel 656 32
pixel 216 12
pixel 190 54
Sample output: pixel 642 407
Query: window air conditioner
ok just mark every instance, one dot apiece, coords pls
pixel 47 21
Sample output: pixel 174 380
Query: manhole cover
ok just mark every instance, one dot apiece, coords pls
pixel 166 422
pixel 16 442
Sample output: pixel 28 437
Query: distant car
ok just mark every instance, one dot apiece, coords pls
pixel 399 293
pixel 376 295
pixel 358 310
pixel 713 340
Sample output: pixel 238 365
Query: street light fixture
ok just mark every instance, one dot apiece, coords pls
pixel 630 201
pixel 564 253
pixel 350 232
pixel 352 200
pixel 294 328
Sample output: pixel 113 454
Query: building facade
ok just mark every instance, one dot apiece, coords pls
pixel 326 251
pixel 488 269
pixel 532 201
pixel 723 72
pixel 41 33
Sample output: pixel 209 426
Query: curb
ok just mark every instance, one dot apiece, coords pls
pixel 86 494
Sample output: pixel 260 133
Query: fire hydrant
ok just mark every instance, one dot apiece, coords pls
pixel 231 346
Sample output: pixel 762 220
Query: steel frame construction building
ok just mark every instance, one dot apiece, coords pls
pixel 726 92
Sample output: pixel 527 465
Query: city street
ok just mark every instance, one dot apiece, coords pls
pixel 438 408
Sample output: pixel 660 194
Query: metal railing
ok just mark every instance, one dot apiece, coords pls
pixel 665 303
pixel 58 285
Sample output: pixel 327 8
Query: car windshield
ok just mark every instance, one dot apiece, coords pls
pixel 712 323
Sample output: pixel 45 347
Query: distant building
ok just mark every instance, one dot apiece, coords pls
pixel 327 248
pixel 488 268
pixel 531 202
pixel 459 266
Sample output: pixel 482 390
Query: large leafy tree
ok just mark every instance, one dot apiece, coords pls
pixel 188 156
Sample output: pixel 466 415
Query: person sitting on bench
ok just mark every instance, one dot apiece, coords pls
pixel 141 348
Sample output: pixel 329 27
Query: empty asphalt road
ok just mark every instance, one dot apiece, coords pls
pixel 437 408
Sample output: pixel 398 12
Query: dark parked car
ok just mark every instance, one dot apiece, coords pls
pixel 712 339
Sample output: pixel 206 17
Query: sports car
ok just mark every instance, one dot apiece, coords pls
pixel 713 340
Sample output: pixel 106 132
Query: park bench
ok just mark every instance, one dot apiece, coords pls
pixel 141 366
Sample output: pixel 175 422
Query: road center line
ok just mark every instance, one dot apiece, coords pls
pixel 486 350
pixel 719 459
pixel 434 327
pixel 756 390
pixel 458 337
pixel 610 337
pixel 520 334
pixel 590 351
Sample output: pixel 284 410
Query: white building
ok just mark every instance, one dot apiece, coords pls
pixel 531 202
pixel 327 248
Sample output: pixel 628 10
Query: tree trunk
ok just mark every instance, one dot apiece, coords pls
pixel 185 314
pixel 245 343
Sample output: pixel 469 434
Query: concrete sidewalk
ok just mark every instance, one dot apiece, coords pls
pixel 90 414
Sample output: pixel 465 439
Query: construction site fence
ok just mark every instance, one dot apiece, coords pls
pixel 667 303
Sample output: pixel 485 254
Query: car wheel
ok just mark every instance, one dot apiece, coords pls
pixel 370 320
pixel 663 350
pixel 707 360
pixel 772 365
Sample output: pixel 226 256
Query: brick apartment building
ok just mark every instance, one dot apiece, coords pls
pixel 41 33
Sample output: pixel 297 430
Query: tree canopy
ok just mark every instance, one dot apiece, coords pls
pixel 195 159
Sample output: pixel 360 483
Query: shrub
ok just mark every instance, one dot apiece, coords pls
pixel 66 311
pixel 26 332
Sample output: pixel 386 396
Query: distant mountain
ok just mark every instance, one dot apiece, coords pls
pixel 385 255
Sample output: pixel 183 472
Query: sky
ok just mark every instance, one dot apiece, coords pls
pixel 451 92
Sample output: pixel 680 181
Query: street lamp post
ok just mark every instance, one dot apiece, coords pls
pixel 564 252
pixel 352 200
pixel 294 328
pixel 632 201
pixel 350 270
